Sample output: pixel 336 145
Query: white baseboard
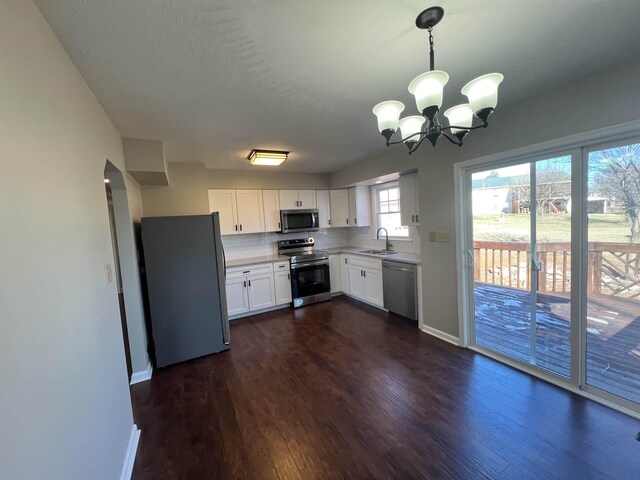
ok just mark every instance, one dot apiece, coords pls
pixel 257 312
pixel 143 376
pixel 447 337
pixel 130 456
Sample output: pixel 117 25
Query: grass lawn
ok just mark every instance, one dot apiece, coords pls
pixel 551 228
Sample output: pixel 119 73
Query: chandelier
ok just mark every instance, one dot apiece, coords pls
pixel 482 93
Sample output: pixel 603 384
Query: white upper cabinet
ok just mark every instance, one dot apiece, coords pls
pixel 240 210
pixel 271 202
pixel 224 202
pixel 297 199
pixel 409 200
pixel 359 207
pixel 288 199
pixel 250 211
pixel 339 202
pixel 324 208
pixel 307 198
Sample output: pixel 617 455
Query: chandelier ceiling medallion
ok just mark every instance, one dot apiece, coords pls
pixel 482 93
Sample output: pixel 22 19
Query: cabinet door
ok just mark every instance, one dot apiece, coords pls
pixel 261 291
pixel 373 287
pixel 359 206
pixel 339 202
pixel 344 272
pixel 271 203
pixel 334 273
pixel 324 208
pixel 288 199
pixel 407 200
pixel 250 211
pixel 283 287
pixel 356 282
pixel 224 202
pixel 307 199
pixel 237 298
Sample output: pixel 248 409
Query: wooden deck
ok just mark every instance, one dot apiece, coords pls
pixel 613 334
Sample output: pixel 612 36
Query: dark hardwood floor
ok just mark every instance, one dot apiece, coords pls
pixel 343 390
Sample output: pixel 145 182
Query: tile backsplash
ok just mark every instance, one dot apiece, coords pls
pixel 261 244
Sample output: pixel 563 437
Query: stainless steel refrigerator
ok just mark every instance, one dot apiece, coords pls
pixel 185 275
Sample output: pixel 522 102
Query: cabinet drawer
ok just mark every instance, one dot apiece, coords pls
pixel 236 272
pixel 280 266
pixel 365 262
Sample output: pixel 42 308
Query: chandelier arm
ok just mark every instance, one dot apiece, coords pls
pixel 463 128
pixel 417 145
pixel 406 138
pixel 455 142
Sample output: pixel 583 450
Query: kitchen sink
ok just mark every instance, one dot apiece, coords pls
pixel 377 252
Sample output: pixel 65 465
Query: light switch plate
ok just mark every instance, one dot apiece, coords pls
pixel 108 273
pixel 443 237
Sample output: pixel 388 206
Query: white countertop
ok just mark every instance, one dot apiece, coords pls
pixel 398 257
pixel 238 262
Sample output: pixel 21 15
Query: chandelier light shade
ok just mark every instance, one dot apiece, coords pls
pixel 271 158
pixel 428 92
pixel 388 114
pixel 427 88
pixel 461 115
pixel 410 126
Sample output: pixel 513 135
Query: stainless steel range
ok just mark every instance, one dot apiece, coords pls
pixel 309 271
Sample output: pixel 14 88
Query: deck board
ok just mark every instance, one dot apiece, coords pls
pixel 613 334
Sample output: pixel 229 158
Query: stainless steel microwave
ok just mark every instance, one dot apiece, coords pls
pixel 293 221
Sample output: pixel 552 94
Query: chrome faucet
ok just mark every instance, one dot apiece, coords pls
pixel 387 244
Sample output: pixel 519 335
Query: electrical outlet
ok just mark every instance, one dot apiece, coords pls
pixel 432 236
pixel 442 237
pixel 108 273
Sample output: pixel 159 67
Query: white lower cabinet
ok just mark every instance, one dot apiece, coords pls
pixel 283 287
pixel 250 288
pixel 344 272
pixel 237 297
pixel 334 273
pixel 365 279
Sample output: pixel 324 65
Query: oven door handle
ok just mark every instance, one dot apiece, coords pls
pixel 295 266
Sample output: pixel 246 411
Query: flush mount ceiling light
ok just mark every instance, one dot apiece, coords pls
pixel 427 89
pixel 267 157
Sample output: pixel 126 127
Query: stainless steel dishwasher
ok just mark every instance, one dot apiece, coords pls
pixel 399 281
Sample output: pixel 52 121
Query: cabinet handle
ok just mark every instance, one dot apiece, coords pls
pixel 279 226
pixel 249 282
pixel 245 284
pixel 329 221
pixel 289 276
pixel 365 274
pixel 300 202
pixel 355 221
pixel 236 228
pixel 417 218
pixel 240 227
pixel 345 260
pixel 347 221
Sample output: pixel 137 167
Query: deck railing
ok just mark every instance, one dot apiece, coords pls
pixel 612 268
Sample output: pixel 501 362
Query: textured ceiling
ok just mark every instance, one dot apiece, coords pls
pixel 213 79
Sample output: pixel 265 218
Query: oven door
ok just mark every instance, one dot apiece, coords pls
pixel 309 279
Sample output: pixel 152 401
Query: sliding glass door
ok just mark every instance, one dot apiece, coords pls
pixel 521 256
pixel 613 271
pixel 551 250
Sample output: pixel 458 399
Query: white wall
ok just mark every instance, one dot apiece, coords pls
pixel 598 101
pixel 66 411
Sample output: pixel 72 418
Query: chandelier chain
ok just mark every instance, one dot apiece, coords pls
pixel 431 54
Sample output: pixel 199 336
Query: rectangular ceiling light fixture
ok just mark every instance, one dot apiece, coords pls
pixel 267 157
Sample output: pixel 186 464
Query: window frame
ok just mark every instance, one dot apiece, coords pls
pixel 376 209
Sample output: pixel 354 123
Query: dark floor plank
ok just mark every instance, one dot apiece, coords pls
pixel 343 390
